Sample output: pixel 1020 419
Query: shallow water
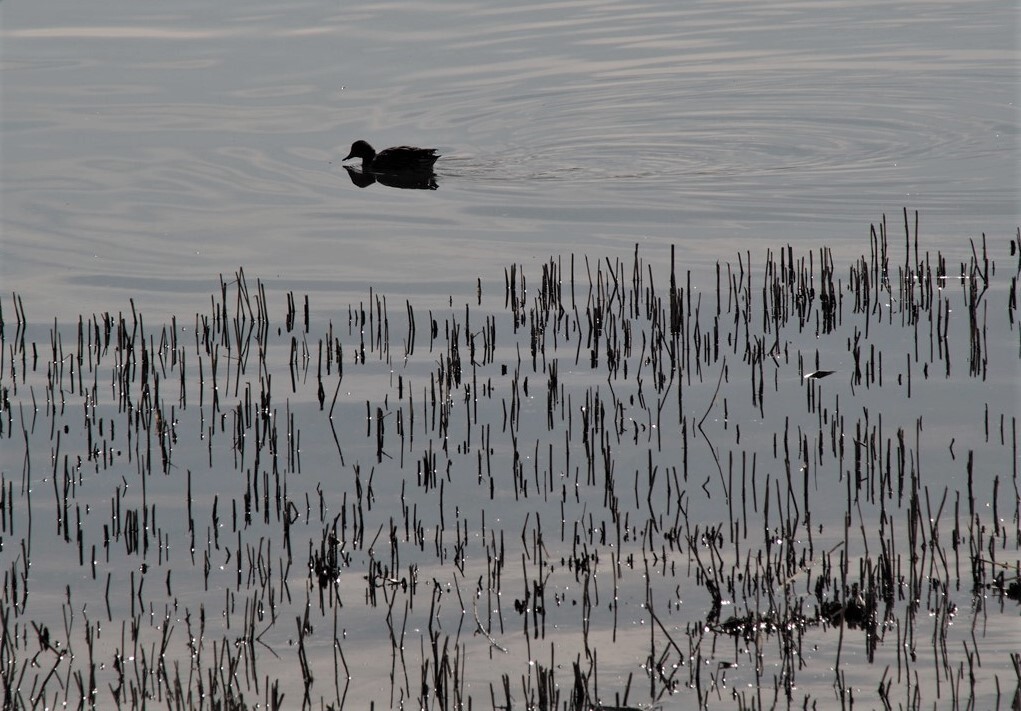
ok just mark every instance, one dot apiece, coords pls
pixel 448 508
pixel 149 150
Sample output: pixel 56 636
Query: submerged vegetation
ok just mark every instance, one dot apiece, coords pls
pixel 624 486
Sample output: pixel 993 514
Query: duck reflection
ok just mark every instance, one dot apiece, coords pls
pixel 407 180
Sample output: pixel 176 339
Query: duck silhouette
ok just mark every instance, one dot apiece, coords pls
pixel 405 167
pixel 399 159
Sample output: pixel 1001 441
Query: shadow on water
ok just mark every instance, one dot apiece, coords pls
pixel 414 180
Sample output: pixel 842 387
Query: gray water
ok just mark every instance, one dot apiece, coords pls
pixel 149 149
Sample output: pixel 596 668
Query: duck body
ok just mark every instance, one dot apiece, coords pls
pixel 400 159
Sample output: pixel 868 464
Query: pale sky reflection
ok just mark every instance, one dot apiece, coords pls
pixel 160 33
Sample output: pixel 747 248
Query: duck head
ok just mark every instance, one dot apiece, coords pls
pixel 361 149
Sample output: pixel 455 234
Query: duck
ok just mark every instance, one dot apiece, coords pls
pixel 399 159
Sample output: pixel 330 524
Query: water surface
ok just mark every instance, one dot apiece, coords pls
pixel 148 150
pixel 173 144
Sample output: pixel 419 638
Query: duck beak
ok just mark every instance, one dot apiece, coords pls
pixel 349 156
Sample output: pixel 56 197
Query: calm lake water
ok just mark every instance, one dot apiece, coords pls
pixel 655 507
pixel 146 149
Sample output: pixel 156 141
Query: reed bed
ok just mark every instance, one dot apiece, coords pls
pixel 606 484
